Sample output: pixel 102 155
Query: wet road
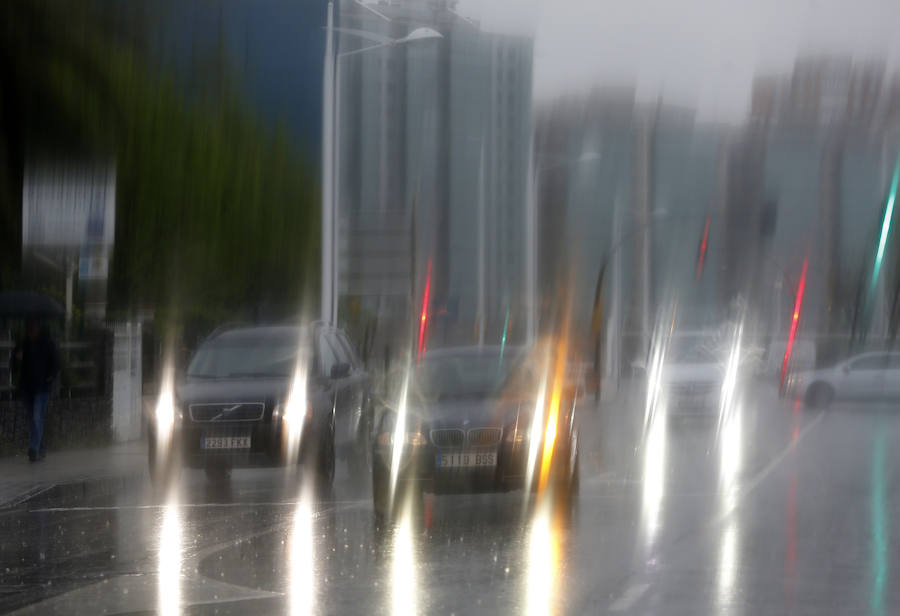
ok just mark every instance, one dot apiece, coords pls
pixel 779 510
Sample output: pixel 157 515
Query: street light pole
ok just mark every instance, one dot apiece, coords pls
pixel 328 273
pixel 330 141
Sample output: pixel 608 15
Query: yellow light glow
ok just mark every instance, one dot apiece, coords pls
pixel 549 437
pixel 543 563
pixel 537 425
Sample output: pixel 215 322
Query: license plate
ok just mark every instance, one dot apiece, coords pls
pixel 466 459
pixel 226 442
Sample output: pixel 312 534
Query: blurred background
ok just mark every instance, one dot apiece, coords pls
pixel 433 172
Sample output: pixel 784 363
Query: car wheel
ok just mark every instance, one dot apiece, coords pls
pixel 326 464
pixel 406 493
pixel 380 494
pixel 567 486
pixel 361 459
pixel 819 395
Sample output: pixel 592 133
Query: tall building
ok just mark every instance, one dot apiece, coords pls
pixel 831 129
pixel 435 136
pixel 824 91
pixel 626 188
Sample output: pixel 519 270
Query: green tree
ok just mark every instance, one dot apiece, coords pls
pixel 215 213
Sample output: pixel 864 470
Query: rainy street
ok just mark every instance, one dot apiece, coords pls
pixel 685 517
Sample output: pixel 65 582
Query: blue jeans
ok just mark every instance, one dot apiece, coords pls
pixel 36 408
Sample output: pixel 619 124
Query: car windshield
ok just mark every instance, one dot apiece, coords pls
pixel 262 357
pixel 693 353
pixel 465 375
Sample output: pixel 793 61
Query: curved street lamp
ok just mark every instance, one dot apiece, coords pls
pixel 331 140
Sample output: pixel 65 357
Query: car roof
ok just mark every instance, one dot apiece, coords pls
pixel 238 335
pixel 874 354
pixel 473 351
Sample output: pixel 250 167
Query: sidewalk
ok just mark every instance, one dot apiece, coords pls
pixel 21 479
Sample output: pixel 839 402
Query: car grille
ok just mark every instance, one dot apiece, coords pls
pixel 691 389
pixel 229 411
pixel 476 437
pixel 449 437
pixel 483 436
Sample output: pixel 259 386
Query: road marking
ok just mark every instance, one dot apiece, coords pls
pixel 768 468
pixel 602 477
pixel 329 505
pixel 631 596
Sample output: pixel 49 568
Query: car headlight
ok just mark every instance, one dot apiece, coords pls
pixel 290 413
pixel 415 438
pixel 165 410
pixel 516 436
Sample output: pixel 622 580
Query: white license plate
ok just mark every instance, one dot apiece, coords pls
pixel 466 459
pixel 226 442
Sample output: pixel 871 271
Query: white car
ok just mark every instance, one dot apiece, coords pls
pixel 870 376
pixel 692 380
pixel 694 373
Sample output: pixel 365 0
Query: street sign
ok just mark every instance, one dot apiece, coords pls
pixel 67 205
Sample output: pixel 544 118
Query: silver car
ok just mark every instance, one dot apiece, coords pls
pixel 870 376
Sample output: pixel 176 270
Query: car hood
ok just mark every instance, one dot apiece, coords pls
pixel 232 390
pixel 692 373
pixel 467 412
pixel 810 375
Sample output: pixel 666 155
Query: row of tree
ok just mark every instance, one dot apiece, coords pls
pixel 216 213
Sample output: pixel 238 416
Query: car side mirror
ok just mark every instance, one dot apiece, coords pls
pixel 340 370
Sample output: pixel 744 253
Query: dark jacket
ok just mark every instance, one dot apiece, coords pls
pixel 36 360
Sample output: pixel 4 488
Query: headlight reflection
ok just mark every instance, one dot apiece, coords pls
pixel 654 471
pixel 727 570
pixel 543 563
pixel 399 433
pixel 404 591
pixel 294 413
pixel 655 435
pixel 169 565
pixel 301 558
pixel 730 458
pixel 729 427
pixel 164 413
pixel 730 436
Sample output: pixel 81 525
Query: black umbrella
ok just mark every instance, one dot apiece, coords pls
pixel 28 303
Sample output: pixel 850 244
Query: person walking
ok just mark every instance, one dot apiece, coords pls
pixel 36 361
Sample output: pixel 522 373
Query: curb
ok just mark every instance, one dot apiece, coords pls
pixel 54 494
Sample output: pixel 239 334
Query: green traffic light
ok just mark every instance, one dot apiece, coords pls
pixel 886 224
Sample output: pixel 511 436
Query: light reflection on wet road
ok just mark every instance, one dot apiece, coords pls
pixel 775 510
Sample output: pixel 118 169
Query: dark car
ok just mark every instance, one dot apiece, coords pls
pixel 468 425
pixel 264 396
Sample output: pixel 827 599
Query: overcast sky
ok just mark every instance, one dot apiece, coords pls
pixel 701 53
